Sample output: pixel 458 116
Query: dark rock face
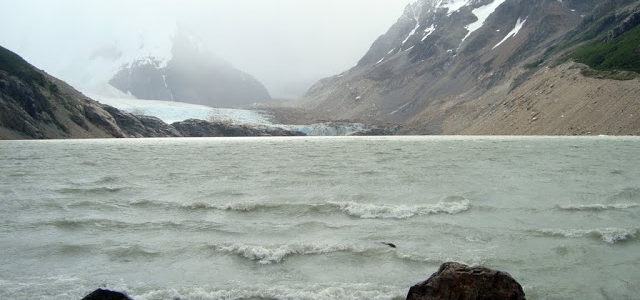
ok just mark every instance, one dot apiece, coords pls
pixel 141 126
pixel 145 79
pixel 102 294
pixel 378 131
pixel 461 282
pixel 200 128
pixel 36 105
pixel 628 23
pixel 192 76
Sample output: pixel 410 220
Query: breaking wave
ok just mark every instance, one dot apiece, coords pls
pixel 273 254
pixel 374 211
pixel 328 291
pixel 597 207
pixel 353 209
pixel 608 235
pixel 269 254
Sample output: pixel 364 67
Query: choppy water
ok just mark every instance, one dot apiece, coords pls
pixel 303 218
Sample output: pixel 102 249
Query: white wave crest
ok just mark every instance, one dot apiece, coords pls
pixel 354 209
pixel 609 235
pixel 277 253
pixel 373 211
pixel 597 206
pixel 329 291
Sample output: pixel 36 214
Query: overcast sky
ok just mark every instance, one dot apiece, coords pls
pixel 280 42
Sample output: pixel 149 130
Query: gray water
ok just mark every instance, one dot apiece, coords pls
pixel 304 218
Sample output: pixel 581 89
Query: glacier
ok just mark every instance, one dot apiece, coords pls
pixel 170 112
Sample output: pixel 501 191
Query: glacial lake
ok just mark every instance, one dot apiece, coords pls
pixel 305 218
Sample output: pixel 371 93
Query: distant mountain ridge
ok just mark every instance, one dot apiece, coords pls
pixel 447 65
pixel 35 105
pixel 192 75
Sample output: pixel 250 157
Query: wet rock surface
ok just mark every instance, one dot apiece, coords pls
pixel 458 281
pixel 102 294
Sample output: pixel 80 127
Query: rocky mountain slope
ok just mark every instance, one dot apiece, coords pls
pixel 35 105
pixel 192 75
pixel 496 67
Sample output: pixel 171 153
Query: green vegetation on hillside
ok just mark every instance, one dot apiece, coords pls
pixel 18 67
pixel 621 53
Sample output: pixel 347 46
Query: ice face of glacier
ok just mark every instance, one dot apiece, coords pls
pixel 171 112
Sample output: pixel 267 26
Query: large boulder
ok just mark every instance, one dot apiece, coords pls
pixel 461 282
pixel 102 294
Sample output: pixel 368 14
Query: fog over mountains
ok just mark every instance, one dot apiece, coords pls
pixel 474 67
pixel 192 75
pixel 285 44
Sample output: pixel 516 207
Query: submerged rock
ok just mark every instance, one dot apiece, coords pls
pixel 102 294
pixel 461 282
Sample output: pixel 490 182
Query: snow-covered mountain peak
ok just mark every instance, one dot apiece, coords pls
pixel 148 60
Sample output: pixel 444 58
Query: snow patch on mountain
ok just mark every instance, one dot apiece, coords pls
pixel 428 32
pixel 416 10
pixel 452 5
pixel 482 13
pixel 513 32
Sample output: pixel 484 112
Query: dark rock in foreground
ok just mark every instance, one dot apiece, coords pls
pixel 102 294
pixel 461 282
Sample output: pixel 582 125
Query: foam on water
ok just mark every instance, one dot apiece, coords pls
pixel 353 209
pixel 268 254
pixel 597 207
pixel 374 211
pixel 332 291
pixel 304 218
pixel 608 235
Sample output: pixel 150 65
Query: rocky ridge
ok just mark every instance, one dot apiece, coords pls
pixel 451 66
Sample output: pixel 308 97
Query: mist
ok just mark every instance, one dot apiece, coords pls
pixel 285 44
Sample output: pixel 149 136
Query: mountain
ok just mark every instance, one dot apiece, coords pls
pixel 496 67
pixel 35 105
pixel 192 75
